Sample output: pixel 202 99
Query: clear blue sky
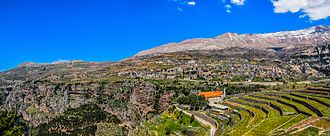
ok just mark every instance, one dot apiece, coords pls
pixel 111 30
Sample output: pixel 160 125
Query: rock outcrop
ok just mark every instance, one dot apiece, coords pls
pixel 317 58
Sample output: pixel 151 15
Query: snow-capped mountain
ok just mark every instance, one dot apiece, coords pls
pixel 285 40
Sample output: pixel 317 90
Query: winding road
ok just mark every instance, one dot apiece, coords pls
pixel 203 119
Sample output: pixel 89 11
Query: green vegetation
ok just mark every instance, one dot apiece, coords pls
pixel 310 131
pixel 248 122
pixel 239 78
pixel 274 123
pixel 319 97
pixel 85 120
pixel 10 124
pixel 33 110
pixel 227 125
pixel 271 112
pixel 265 125
pixel 259 79
pixel 269 125
pixel 240 128
pixel 323 109
pixel 109 129
pixel 173 122
pixel 140 88
pixel 240 88
pixel 283 107
pixel 299 106
pixel 196 102
pixel 111 101
pixel 296 119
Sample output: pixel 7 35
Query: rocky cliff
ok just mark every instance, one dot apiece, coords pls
pixel 317 58
pixel 41 93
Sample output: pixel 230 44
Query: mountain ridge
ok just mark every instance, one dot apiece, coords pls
pixel 284 39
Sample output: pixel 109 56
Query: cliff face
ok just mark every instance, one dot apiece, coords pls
pixel 41 93
pixel 317 58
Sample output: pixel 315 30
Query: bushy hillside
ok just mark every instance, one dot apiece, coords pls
pixel 11 124
pixel 87 119
pixel 172 122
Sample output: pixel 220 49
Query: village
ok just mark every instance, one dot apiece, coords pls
pixel 199 70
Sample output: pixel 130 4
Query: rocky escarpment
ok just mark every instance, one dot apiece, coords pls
pixel 317 58
pixel 87 119
pixel 41 102
pixel 42 93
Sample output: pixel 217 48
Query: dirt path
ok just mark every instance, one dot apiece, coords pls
pixel 178 134
pixel 253 128
pixel 203 119
pixel 305 123
pixel 284 123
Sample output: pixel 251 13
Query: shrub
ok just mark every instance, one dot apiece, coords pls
pixel 10 124
pixel 194 101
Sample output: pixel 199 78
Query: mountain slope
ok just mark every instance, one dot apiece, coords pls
pixel 286 40
pixel 138 88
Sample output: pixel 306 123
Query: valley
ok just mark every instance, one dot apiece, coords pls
pixel 260 84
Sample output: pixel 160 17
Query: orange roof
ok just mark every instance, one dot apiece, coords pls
pixel 211 94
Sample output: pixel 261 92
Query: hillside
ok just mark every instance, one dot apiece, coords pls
pixel 123 95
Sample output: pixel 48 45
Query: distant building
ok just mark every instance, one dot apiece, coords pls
pixel 213 97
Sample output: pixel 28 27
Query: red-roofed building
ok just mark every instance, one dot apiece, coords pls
pixel 213 96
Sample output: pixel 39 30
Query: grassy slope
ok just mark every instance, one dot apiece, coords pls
pixel 247 124
pixel 300 106
pixel 282 106
pixel 314 96
pixel 292 122
pixel 240 128
pixel 324 110
pixel 272 112
pixel 172 123
pixel 274 120
pixel 275 124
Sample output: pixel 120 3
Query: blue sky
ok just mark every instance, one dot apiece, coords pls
pixel 111 30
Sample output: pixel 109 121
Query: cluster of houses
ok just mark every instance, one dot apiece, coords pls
pixel 192 70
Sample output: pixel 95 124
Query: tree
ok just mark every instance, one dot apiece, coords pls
pixel 10 125
pixel 193 100
pixel 192 119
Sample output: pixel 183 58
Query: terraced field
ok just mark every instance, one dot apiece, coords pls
pixel 324 110
pixel 284 108
pixel 282 113
pixel 297 106
pixel 251 117
pixel 322 100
